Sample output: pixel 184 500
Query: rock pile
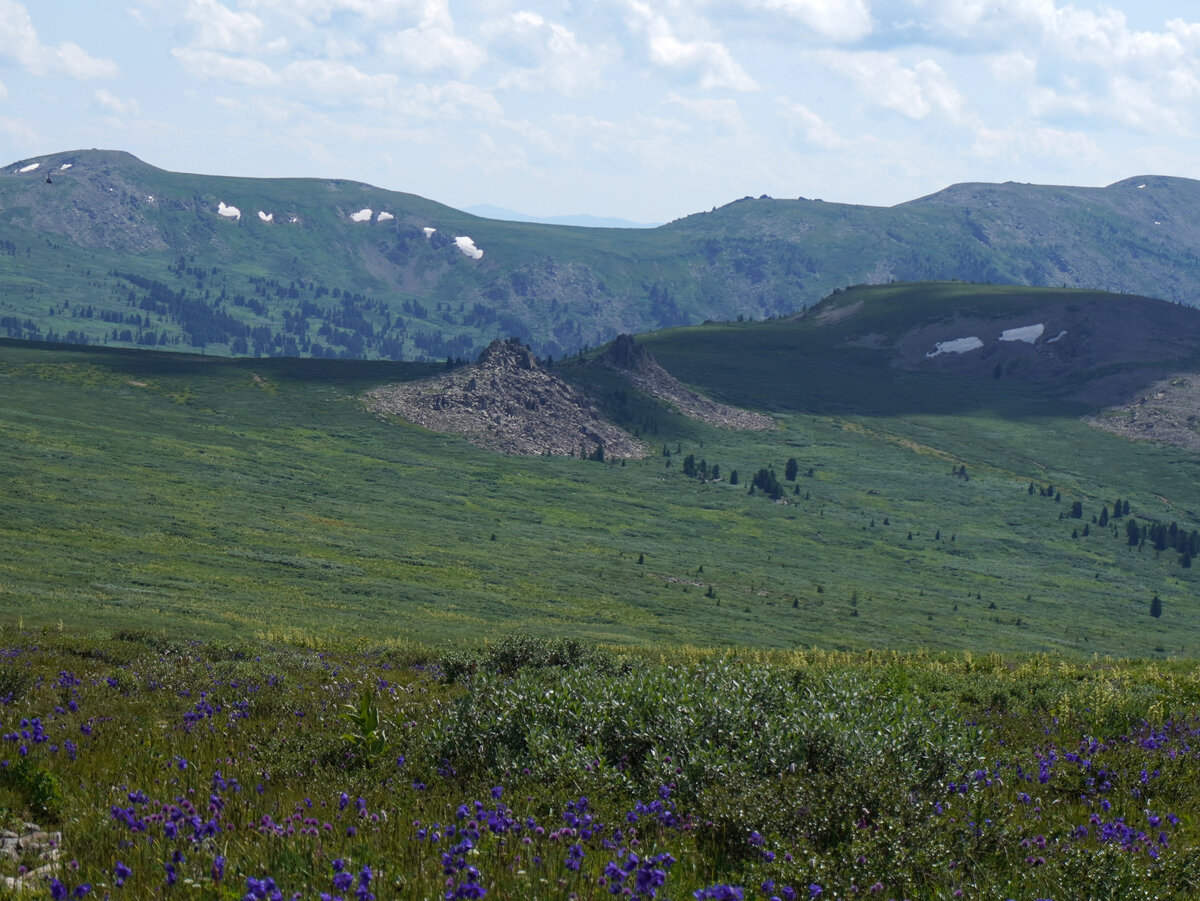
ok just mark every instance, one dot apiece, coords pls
pixel 507 401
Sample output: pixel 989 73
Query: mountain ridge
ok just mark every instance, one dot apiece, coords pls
pixel 331 267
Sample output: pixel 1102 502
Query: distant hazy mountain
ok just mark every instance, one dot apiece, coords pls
pixel 487 211
pixel 98 247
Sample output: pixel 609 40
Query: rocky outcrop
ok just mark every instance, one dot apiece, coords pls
pixel 628 357
pixel 507 401
pixel 35 849
pixel 1168 412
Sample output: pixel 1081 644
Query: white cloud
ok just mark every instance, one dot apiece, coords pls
pixel 337 81
pixel 842 21
pixel 707 61
pixel 545 55
pixel 220 28
pixel 816 130
pixel 450 100
pixel 114 104
pixel 1016 67
pixel 223 67
pixel 722 113
pixel 1024 143
pixel 427 49
pixel 320 12
pixel 917 91
pixel 19 42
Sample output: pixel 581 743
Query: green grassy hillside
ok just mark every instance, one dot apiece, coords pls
pixel 222 497
pixel 98 247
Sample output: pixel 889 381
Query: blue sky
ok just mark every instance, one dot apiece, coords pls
pixel 628 108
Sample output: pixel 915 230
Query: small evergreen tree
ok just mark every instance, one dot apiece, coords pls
pixel 733 480
pixel 791 469
pixel 1156 607
pixel 1133 534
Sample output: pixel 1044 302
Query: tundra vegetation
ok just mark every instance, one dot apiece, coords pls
pixel 547 768
pixel 253 641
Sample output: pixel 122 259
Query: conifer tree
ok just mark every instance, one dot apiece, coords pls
pixel 1133 534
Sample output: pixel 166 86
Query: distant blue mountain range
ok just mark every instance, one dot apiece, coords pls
pixel 487 211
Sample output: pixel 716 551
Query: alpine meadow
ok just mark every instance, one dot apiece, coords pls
pixel 355 546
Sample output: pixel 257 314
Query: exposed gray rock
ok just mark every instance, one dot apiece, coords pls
pixel 31 846
pixel 507 402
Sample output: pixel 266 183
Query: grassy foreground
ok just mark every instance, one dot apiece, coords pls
pixel 538 768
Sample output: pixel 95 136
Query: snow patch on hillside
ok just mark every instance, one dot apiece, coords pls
pixel 266 217
pixel 467 246
pixel 428 231
pixel 64 167
pixel 384 217
pixel 229 212
pixel 363 215
pixel 29 168
pixel 1027 333
pixel 957 346
pixel 1057 337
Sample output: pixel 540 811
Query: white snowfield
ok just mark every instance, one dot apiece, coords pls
pixel 384 217
pixel 428 231
pixel 957 346
pixel 229 212
pixel 149 198
pixel 29 168
pixel 64 167
pixel 266 217
pixel 363 215
pixel 467 246
pixel 1027 333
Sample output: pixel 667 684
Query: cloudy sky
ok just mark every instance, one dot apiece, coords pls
pixel 643 109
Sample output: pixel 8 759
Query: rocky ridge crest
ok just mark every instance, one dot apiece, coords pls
pixel 506 401
pixel 626 356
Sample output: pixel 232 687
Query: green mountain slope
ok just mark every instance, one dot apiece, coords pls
pixel 98 247
pixel 214 496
